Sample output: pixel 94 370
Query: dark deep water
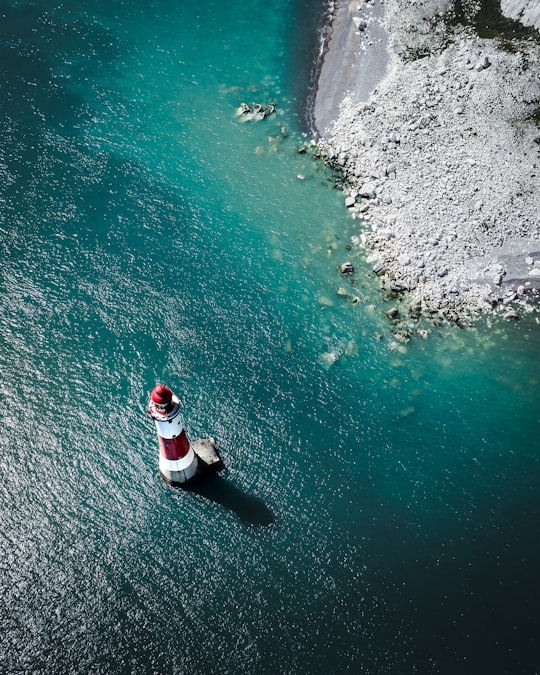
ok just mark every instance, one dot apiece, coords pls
pixel 378 515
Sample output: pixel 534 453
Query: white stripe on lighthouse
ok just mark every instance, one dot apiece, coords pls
pixel 177 464
pixel 170 429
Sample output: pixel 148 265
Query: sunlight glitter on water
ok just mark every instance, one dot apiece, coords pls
pixel 148 235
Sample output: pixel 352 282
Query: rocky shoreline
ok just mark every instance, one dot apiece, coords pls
pixel 441 159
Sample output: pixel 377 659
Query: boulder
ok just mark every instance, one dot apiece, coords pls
pixel 255 112
pixel 368 190
pixel 399 287
pixel 482 64
pixel 360 24
pixel 243 109
pixel 346 268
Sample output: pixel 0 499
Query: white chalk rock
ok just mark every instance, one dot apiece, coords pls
pixel 368 190
pixel 482 64
pixel 360 24
pixel 346 268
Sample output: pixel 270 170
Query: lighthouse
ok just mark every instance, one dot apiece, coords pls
pixel 179 460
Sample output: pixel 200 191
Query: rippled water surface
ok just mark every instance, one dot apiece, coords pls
pixel 377 515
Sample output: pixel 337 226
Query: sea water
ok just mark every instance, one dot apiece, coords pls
pixel 379 509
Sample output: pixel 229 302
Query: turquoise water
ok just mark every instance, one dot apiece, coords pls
pixel 377 515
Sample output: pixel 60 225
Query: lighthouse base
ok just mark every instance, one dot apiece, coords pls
pixel 208 461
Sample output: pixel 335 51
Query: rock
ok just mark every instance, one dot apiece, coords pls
pixel 346 268
pixel 511 314
pixel 360 24
pixel 528 13
pixel 368 190
pixel 342 291
pixel 243 109
pixel 399 287
pixel 402 335
pixel 325 301
pixel 392 313
pixel 482 64
pixel 255 112
pixel 395 346
pixel 379 269
pixel 350 202
pixel 328 358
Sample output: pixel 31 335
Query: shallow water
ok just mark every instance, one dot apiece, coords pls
pixel 377 515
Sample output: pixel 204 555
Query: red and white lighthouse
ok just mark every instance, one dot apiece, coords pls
pixel 179 460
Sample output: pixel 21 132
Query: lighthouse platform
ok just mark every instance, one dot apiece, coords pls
pixel 208 454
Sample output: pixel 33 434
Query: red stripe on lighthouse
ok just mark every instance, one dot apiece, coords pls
pixel 174 448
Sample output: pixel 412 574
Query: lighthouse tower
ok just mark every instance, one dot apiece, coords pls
pixel 179 460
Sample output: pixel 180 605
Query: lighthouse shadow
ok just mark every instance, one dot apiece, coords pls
pixel 250 510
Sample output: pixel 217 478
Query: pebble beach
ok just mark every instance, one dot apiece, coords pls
pixel 440 155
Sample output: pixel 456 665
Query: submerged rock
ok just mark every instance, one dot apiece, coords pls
pixel 328 359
